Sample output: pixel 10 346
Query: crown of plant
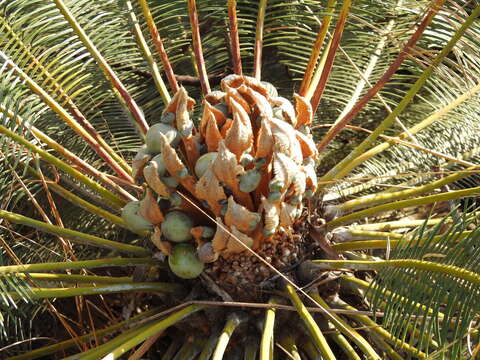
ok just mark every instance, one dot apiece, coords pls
pixel 249 165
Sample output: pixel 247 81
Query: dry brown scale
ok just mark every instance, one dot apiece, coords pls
pixel 245 277
pixel 250 165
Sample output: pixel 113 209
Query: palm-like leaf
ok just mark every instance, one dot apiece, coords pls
pixel 42 53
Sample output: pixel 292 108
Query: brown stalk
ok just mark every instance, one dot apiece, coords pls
pixel 147 344
pixel 197 46
pixel 116 163
pixel 74 159
pixel 66 245
pixel 157 40
pixel 195 81
pixel 337 35
pixel 322 33
pixel 82 165
pixel 257 53
pixel 234 38
pixel 119 88
pixel 81 130
pixel 404 53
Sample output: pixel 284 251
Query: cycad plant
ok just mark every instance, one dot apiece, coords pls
pixel 241 179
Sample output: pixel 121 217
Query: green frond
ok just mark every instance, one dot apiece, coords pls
pixel 453 300
pixel 453 134
pixel 14 309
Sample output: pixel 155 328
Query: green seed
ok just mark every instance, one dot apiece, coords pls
pixel 223 108
pixel 175 200
pixel 254 223
pixel 184 262
pixel 176 226
pixel 158 159
pixel 275 185
pixel 274 196
pixel 170 181
pixel 168 118
pixel 135 222
pixel 246 160
pixel 182 173
pixel 295 200
pixel 208 232
pixel 203 163
pixel 250 180
pixel 268 232
pixel 154 140
pixel 223 210
pixel 260 162
pixel 206 254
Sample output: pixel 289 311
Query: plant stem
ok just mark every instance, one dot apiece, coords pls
pixel 267 333
pixel 63 97
pixel 148 331
pixel 68 119
pixel 119 89
pixel 397 195
pixel 73 235
pixel 251 349
pixel 310 349
pixel 157 40
pixel 318 71
pixel 51 349
pixel 365 286
pixel 404 53
pixel 311 325
pixel 366 265
pixel 420 126
pixel 382 235
pixel 317 47
pixel 343 343
pixel 82 164
pixel 47 293
pixel 391 225
pixel 352 160
pixel 76 278
pixel 78 201
pixel 364 244
pixel 371 65
pixel 197 46
pixel 362 214
pixel 154 71
pixel 106 194
pixel 287 344
pixel 352 333
pixel 332 51
pixel 382 244
pixel 95 353
pixel 147 344
pixel 257 52
pixel 234 39
pixel 209 347
pixel 78 265
pixel 232 323
pixel 379 331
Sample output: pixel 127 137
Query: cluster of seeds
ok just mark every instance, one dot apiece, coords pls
pixel 249 165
